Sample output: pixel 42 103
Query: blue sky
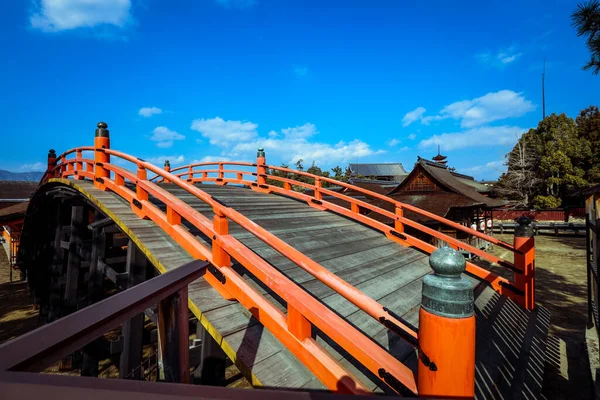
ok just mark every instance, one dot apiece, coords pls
pixel 334 82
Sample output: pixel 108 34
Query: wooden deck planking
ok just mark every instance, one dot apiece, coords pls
pixel 387 272
pixel 227 318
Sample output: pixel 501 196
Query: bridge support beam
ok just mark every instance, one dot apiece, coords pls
pixel 211 370
pixel 74 258
pixel 133 328
pixel 173 337
pixel 446 329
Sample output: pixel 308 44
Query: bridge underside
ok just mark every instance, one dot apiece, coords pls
pixel 510 340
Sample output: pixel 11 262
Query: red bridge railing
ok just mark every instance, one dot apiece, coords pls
pixel 520 289
pixel 292 329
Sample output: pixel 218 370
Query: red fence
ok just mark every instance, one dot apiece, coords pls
pixel 552 214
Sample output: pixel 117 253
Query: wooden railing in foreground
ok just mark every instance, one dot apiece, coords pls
pixel 292 329
pixel 520 289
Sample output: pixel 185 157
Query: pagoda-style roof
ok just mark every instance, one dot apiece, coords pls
pixel 431 186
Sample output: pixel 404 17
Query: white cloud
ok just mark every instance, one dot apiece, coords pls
pixel 300 132
pixel 165 137
pixel 223 133
pixel 491 107
pixel 499 58
pixel 38 166
pixel 293 144
pixel 490 166
pixel 413 116
pixel 211 159
pixel 300 71
pixel 485 136
pixel 240 139
pixel 393 142
pixel 149 111
pixel 160 160
pixel 60 15
pixel 412 136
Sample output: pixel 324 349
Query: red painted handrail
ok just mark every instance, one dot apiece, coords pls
pixel 303 308
pixel 500 284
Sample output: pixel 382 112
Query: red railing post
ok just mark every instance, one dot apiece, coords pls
pixel 318 186
pixel 446 366
pixel 220 257
pixel 50 172
pixel 167 167
pixel 78 165
pixel 398 225
pixel 260 167
pixel 525 261
pixel 142 175
pixel 101 142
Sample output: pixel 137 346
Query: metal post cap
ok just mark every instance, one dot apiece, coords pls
pixel 51 153
pixel 446 292
pixel 260 153
pixel 524 230
pixel 102 130
pixel 167 163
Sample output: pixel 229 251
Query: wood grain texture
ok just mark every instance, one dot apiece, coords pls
pixel 386 271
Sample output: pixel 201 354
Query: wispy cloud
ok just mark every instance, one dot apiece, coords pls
pixel 499 58
pixel 38 166
pixel 62 15
pixel 211 159
pixel 165 137
pixel 413 116
pixel 393 142
pixel 160 160
pixel 149 111
pixel 412 136
pixel 223 133
pixel 485 136
pixel 491 107
pixel 300 71
pixel 497 166
pixel 240 139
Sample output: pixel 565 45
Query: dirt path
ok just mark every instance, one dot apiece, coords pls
pixel 561 287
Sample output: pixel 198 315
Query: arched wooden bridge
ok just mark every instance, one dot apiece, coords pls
pixel 302 291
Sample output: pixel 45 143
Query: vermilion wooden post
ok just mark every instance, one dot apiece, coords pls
pixel 51 173
pixel 525 261
pixel 101 142
pixel 167 168
pixel 260 167
pixel 446 329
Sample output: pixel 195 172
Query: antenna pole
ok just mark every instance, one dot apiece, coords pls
pixel 543 94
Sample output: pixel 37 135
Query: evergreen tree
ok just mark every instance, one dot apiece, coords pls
pixel 586 19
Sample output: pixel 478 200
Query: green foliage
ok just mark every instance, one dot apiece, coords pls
pixel 550 164
pixel 336 173
pixel 586 19
pixel 541 202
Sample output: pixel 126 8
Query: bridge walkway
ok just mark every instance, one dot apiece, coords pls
pixel 510 344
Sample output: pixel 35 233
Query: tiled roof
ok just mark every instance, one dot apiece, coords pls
pixel 17 190
pixel 383 169
pixel 13 212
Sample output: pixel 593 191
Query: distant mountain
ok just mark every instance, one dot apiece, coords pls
pixel 20 176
